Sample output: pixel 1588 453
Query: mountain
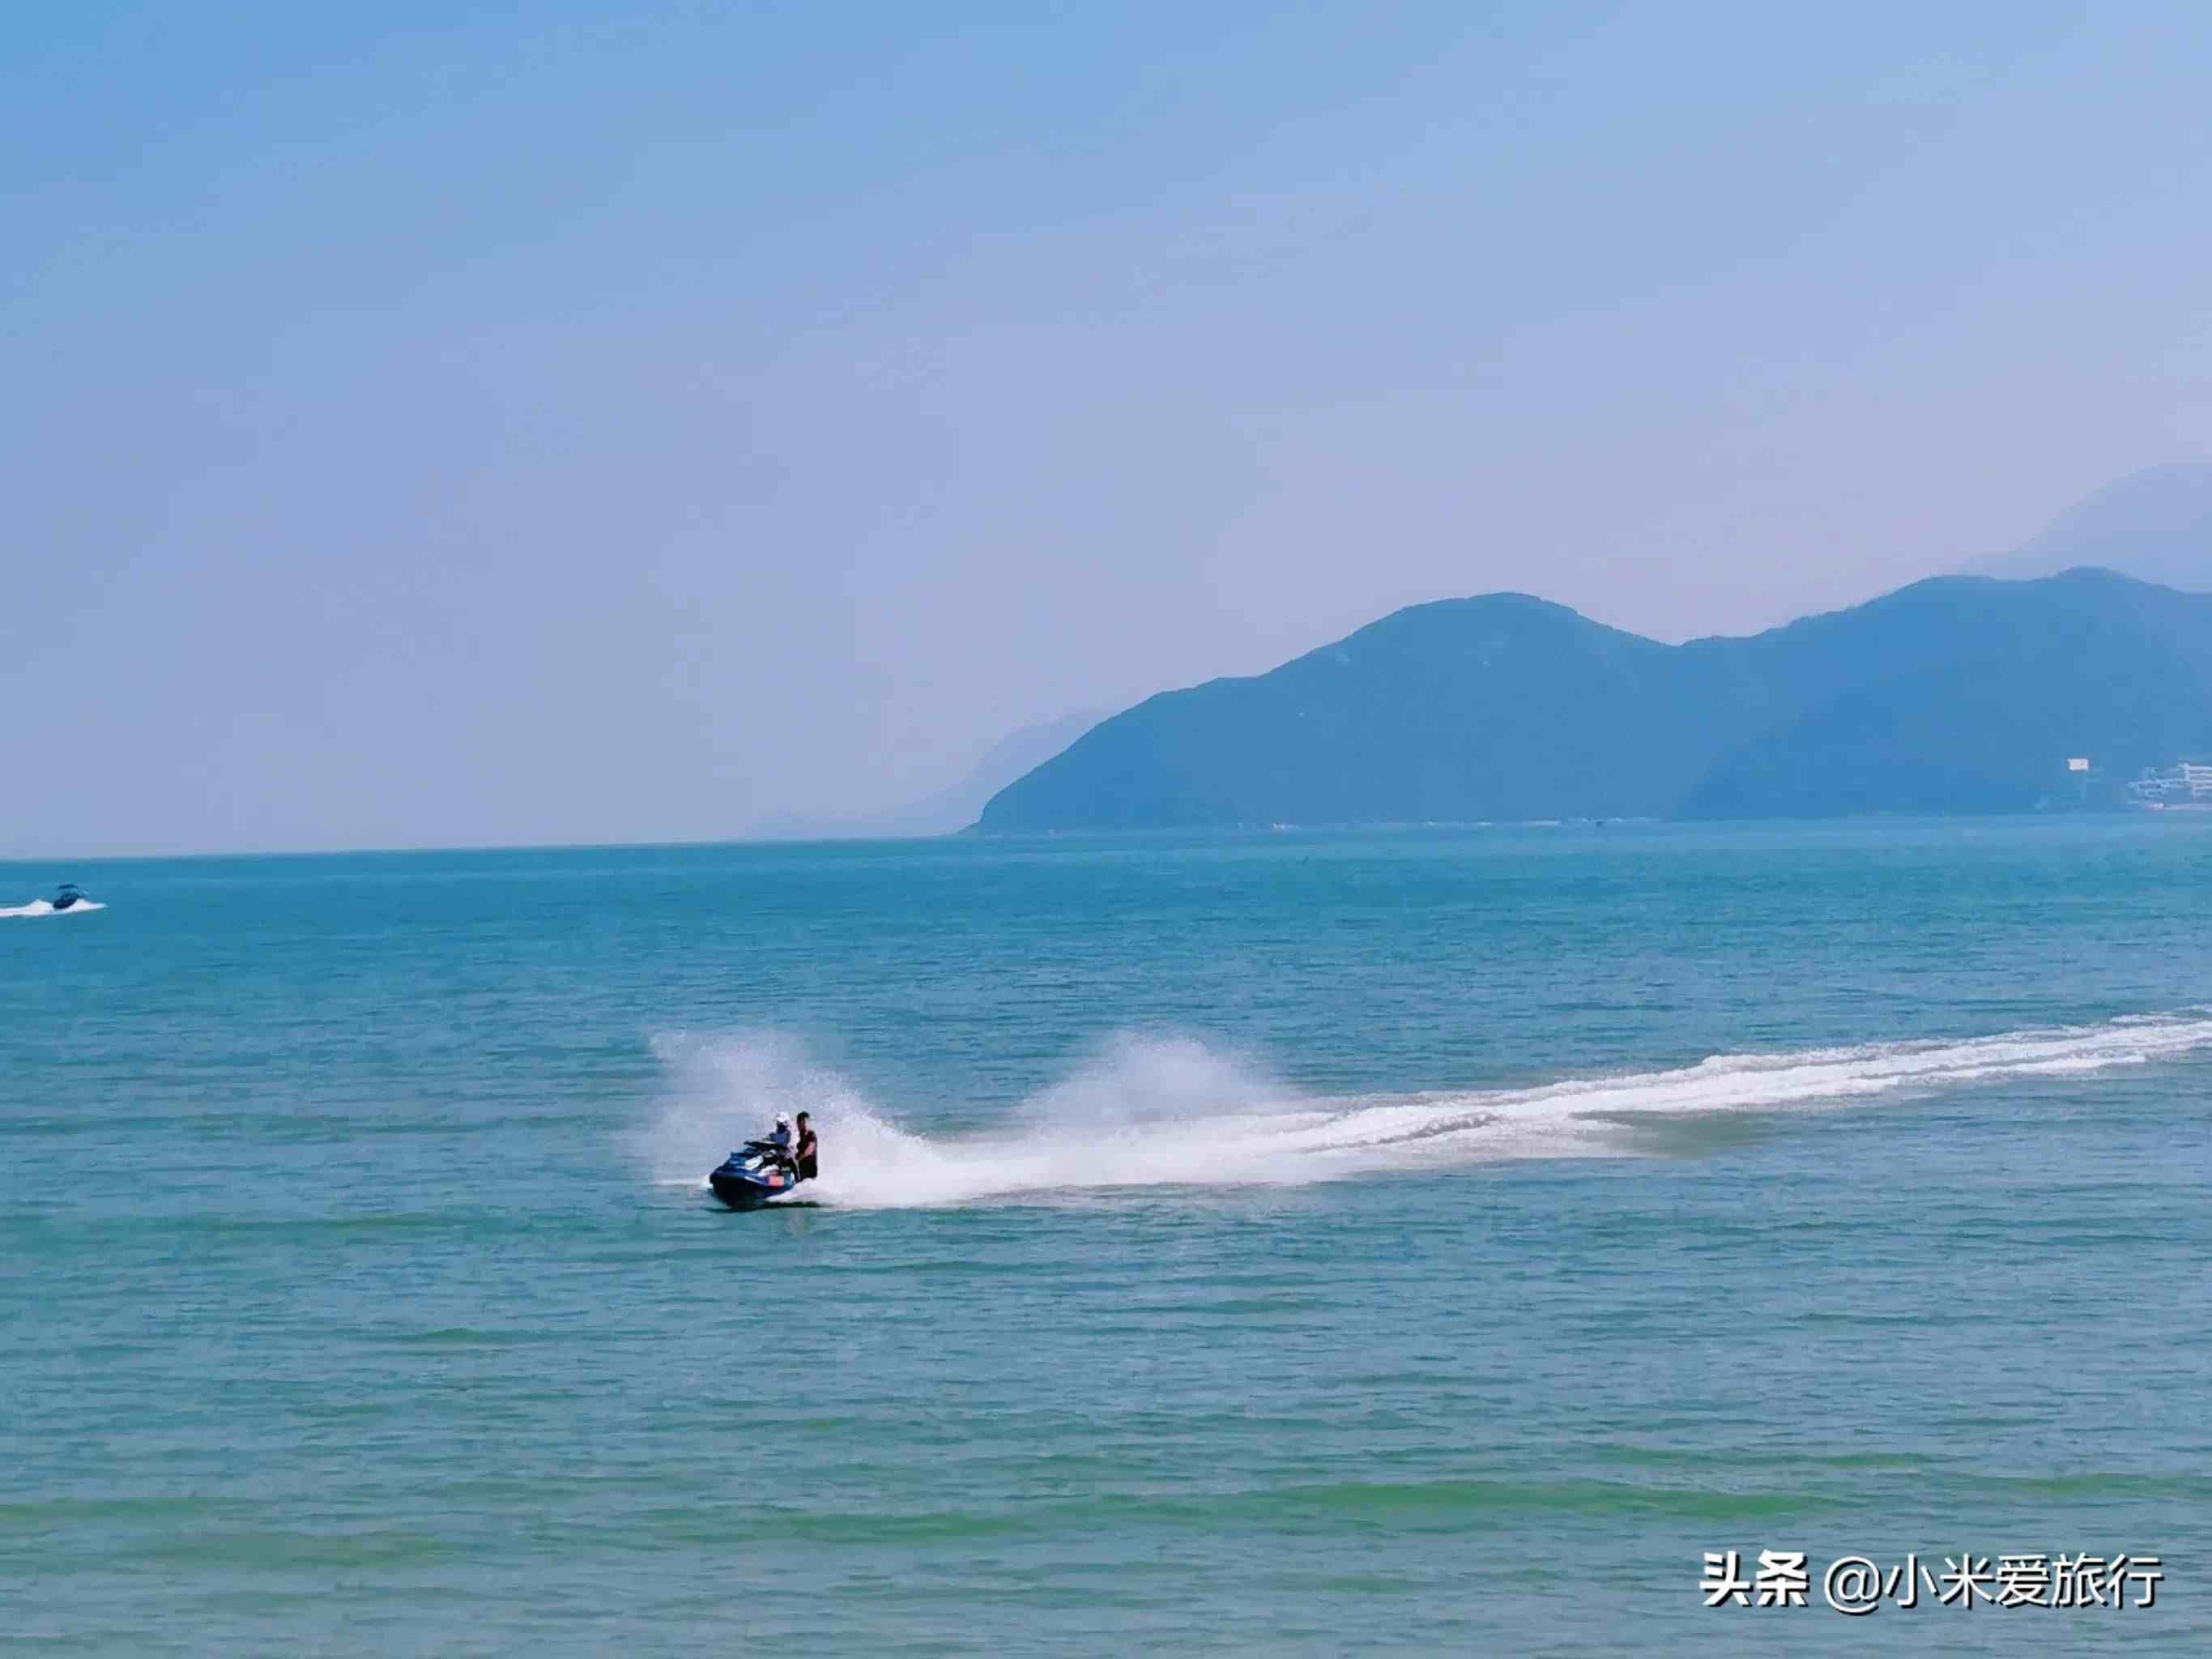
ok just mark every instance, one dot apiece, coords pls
pixel 2156 524
pixel 950 809
pixel 1958 694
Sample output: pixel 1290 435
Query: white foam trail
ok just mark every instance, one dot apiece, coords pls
pixel 44 907
pixel 1149 1112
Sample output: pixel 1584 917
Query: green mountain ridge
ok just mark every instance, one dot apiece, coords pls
pixel 1955 693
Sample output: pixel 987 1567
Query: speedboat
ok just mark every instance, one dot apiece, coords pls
pixel 69 894
pixel 754 1174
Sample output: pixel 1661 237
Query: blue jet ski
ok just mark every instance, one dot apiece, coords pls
pixel 751 1177
pixel 69 897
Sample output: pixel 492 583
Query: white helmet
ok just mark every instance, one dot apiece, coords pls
pixel 783 1120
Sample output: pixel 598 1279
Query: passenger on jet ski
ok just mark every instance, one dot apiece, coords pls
pixel 803 1157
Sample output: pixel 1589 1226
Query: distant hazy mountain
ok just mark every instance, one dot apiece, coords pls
pixel 949 809
pixel 1959 694
pixel 2156 524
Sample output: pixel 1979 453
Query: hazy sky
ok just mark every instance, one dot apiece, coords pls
pixel 568 423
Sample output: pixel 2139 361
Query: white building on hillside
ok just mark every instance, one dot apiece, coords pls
pixel 2185 783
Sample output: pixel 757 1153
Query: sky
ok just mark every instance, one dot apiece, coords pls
pixel 429 425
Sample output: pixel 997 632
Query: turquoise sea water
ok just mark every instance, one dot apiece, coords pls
pixel 1282 1244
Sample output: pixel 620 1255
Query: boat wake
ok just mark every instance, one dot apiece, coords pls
pixel 44 907
pixel 1150 1112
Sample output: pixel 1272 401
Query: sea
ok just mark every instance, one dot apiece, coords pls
pixel 1548 1240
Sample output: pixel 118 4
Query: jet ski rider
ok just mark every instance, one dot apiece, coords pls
pixel 803 1158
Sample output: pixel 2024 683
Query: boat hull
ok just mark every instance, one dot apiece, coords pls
pixel 750 1190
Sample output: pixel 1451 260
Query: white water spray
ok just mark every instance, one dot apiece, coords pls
pixel 1149 1112
pixel 44 907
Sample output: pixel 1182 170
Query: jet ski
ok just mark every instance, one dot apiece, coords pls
pixel 751 1177
pixel 68 895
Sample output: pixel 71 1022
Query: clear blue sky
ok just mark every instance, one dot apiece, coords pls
pixel 567 423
